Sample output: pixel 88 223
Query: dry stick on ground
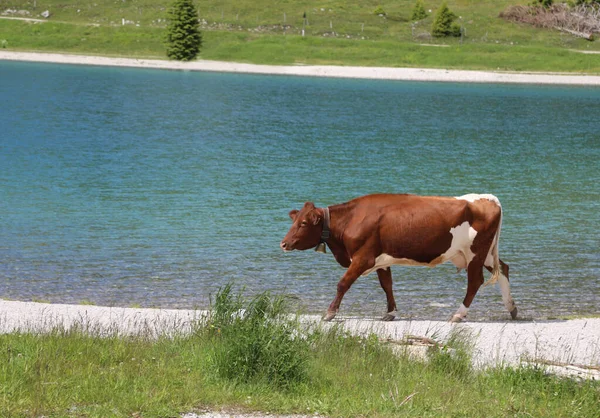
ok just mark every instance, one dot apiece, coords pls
pixel 588 36
pixel 414 340
pixel 561 364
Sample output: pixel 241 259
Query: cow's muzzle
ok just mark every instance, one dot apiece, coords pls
pixel 285 246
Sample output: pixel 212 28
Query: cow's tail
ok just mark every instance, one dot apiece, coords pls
pixel 495 254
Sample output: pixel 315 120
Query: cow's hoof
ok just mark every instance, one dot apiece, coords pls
pixel 456 319
pixel 390 316
pixel 513 313
pixel 329 316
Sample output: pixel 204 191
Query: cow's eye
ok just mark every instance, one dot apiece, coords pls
pixel 303 223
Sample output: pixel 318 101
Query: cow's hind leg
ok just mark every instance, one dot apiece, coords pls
pixel 474 282
pixel 503 283
pixel 385 280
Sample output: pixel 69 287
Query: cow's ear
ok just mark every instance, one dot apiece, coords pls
pixel 314 217
pixel 309 205
pixel 317 220
pixel 293 214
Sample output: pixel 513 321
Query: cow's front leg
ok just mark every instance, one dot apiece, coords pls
pixel 357 267
pixel 385 280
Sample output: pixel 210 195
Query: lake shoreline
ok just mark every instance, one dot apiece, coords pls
pixel 571 346
pixel 372 73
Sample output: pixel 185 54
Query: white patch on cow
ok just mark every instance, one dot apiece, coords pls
pixel 505 290
pixel 390 316
pixel 472 197
pixel 384 261
pixel 461 313
pixel 459 253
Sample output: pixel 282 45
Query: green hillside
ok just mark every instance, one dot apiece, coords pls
pixel 269 32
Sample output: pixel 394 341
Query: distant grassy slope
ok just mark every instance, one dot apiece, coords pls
pixel 338 32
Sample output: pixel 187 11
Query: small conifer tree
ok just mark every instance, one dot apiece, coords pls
pixel 419 11
pixel 184 38
pixel 442 23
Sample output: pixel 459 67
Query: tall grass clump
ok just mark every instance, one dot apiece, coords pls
pixel 454 358
pixel 256 342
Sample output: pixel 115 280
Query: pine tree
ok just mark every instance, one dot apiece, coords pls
pixel 419 12
pixel 184 38
pixel 442 24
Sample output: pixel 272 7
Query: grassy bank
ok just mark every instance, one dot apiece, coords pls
pixel 337 32
pixel 254 360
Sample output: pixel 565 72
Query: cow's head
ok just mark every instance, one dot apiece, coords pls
pixel 305 233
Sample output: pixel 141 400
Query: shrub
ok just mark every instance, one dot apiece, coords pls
pixel 455 29
pixel 184 38
pixel 256 343
pixel 543 3
pixel 419 11
pixel 442 23
pixel 379 11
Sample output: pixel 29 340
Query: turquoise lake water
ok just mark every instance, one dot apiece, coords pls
pixel 144 187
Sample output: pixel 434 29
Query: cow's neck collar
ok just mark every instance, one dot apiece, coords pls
pixel 325 233
pixel 326 221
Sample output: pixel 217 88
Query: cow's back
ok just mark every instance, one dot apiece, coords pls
pixel 418 230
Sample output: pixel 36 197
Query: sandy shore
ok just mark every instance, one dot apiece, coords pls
pixel 383 73
pixel 573 345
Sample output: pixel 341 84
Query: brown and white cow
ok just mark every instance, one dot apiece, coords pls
pixel 374 232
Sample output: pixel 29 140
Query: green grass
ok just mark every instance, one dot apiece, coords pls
pixel 252 31
pixel 281 368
